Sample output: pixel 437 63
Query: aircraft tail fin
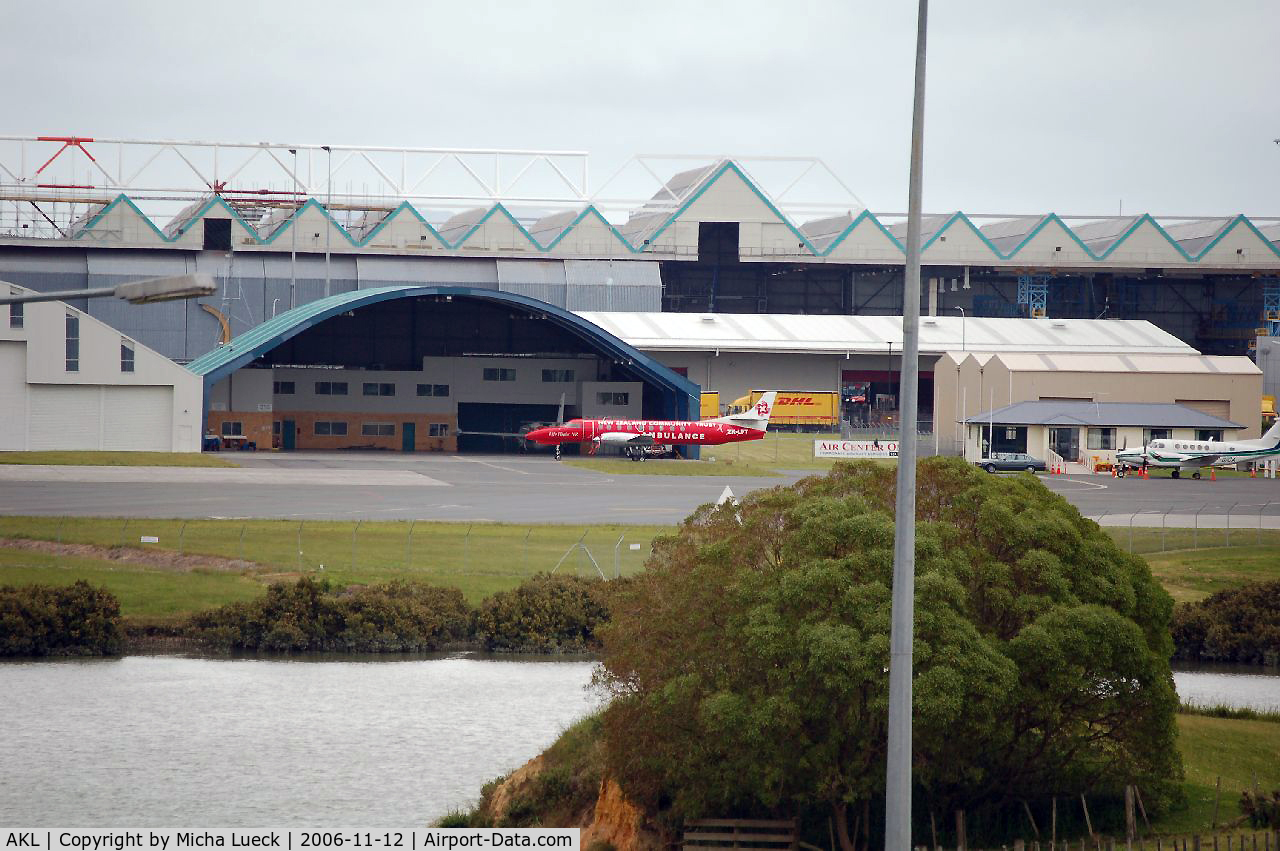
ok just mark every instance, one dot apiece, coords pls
pixel 1272 437
pixel 756 416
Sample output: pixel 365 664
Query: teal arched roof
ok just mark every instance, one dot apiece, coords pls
pixel 680 396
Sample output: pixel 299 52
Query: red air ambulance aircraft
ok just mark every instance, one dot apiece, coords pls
pixel 635 435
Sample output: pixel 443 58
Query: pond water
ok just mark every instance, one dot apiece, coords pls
pixel 173 741
pixel 166 741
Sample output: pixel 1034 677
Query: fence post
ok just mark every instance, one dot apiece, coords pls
pixel 182 535
pixel 62 520
pixel 466 551
pixel 242 528
pixel 1261 509
pixel 408 549
pixel 1164 518
pixel 524 557
pixel 1195 530
pixel 354 532
pixel 122 530
pixel 1131 516
pixel 616 568
pixel 300 522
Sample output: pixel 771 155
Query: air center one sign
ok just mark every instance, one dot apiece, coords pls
pixel 855 449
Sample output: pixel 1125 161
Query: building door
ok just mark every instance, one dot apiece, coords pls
pixel 288 435
pixel 407 435
pixel 1066 442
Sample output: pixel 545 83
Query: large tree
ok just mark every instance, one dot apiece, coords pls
pixel 748 663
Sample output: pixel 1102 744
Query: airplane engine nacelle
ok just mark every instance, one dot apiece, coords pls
pixel 617 438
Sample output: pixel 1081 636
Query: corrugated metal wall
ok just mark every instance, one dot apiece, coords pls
pixel 253 287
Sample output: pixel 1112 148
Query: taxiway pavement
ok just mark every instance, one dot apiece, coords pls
pixel 527 489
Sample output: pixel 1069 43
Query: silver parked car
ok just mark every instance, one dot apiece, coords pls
pixel 1012 461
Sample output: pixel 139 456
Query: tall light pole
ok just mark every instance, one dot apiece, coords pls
pixel 897 833
pixel 293 235
pixel 961 309
pixel 328 208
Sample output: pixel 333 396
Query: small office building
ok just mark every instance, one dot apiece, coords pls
pixel 1087 433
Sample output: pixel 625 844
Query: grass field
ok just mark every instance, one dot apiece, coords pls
pixel 477 558
pixel 1234 750
pixel 144 592
pixel 116 459
pixel 1190 575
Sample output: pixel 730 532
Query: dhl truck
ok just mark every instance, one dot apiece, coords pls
pixel 798 410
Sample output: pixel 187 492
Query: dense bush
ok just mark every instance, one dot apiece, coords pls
pixel 748 663
pixel 548 613
pixel 1261 809
pixel 1240 625
pixel 74 620
pixel 310 615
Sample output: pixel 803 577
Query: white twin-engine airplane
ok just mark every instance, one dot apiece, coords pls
pixel 1182 454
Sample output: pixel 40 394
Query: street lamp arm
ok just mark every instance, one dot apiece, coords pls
pixel 146 291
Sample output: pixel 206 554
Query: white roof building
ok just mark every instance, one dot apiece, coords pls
pixel 69 381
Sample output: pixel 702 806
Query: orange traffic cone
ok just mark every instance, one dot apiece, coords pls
pixel 1253 474
pixel 1213 475
pixel 1113 471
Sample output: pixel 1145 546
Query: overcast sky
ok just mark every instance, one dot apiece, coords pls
pixel 1168 106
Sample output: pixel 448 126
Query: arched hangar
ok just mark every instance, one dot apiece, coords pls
pixel 426 368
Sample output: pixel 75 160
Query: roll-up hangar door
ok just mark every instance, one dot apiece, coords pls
pixel 138 419
pixel 97 417
pixel 1220 408
pixel 13 396
pixel 65 417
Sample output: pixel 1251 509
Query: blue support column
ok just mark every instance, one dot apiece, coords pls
pixel 1033 291
pixel 1271 306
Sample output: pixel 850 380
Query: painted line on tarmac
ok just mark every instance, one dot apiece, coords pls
pixel 466 460
pixel 1093 485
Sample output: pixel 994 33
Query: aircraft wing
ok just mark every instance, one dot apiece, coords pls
pixel 626 438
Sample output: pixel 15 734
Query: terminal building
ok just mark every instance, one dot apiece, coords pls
pixel 454 315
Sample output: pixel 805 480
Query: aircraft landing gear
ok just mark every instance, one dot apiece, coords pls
pixel 1177 474
pixel 1195 475
pixel 557 452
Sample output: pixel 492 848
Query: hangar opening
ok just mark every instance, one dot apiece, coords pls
pixel 414 369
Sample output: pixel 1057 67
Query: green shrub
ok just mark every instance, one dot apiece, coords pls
pixel 1239 625
pixel 546 613
pixel 310 615
pixel 74 620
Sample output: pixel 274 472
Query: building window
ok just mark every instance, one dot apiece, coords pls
pixel 73 343
pixel 331 388
pixel 613 398
pixel 378 429
pixel 492 373
pixel 15 315
pixel 433 389
pixel 126 356
pixel 1209 434
pixel 1102 438
pixel 331 429
pixel 1150 434
pixel 373 388
pixel 438 430
pixel 275 428
pixel 557 375
pixel 232 429
pixel 282 388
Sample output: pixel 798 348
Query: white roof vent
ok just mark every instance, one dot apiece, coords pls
pixel 708 317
